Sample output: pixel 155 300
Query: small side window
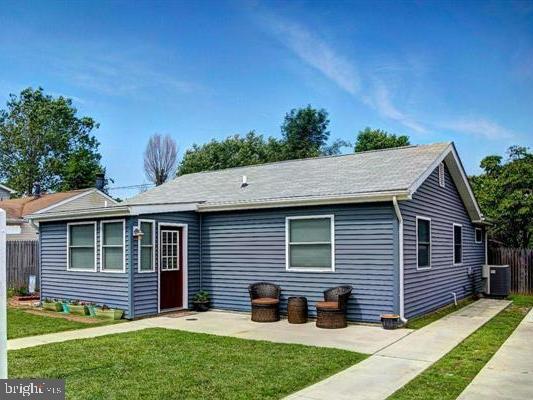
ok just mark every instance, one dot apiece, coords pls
pixel 423 243
pixel 442 178
pixel 479 235
pixel 457 244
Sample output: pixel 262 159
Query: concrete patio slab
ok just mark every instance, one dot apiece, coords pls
pixel 379 376
pixel 509 373
pixel 360 338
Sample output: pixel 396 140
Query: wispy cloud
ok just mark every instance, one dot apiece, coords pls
pixel 479 127
pixel 316 53
pixel 369 87
pixel 321 56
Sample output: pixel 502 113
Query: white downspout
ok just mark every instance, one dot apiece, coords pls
pixel 400 256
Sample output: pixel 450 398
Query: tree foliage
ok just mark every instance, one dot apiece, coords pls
pixel 43 140
pixel 235 151
pixel 160 159
pixel 304 134
pixel 377 139
pixel 505 194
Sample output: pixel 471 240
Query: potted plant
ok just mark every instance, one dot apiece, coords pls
pixel 52 305
pixel 92 309
pixel 78 308
pixel 66 306
pixel 109 313
pixel 390 321
pixel 200 301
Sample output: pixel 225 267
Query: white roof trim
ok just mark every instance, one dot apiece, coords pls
pixel 308 201
pixel 115 211
pixel 7 188
pixel 78 196
pixel 161 208
pixel 450 157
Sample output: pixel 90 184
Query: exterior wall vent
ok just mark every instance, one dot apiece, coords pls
pixel 442 180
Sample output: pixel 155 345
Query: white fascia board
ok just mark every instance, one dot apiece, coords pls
pixel 278 203
pixel 81 214
pixel 161 208
pixel 8 189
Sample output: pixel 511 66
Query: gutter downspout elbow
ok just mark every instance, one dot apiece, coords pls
pixel 400 257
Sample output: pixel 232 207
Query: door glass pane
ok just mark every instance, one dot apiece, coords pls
pixel 310 256
pixel 310 230
pixel 146 258
pixel 113 258
pixel 81 235
pixel 81 258
pixel 113 233
pixel 146 228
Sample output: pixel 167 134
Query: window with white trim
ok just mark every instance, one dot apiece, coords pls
pixel 478 235
pixel 310 243
pixel 81 246
pixel 147 246
pixel 442 177
pixel 423 242
pixel 457 244
pixel 112 246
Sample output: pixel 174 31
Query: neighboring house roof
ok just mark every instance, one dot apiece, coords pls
pixel 7 189
pixel 18 209
pixel 359 177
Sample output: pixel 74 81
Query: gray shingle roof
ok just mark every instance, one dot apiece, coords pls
pixel 353 174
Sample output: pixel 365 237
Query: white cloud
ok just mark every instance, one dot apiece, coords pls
pixel 316 53
pixel 480 127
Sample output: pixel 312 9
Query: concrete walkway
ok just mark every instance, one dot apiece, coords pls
pixel 389 369
pixel 509 373
pixel 361 338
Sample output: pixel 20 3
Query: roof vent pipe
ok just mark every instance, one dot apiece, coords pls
pixel 37 189
pixel 100 181
pixel 244 181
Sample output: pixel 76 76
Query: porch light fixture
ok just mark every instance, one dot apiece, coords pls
pixel 137 233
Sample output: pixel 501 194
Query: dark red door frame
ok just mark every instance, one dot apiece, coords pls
pixel 171 267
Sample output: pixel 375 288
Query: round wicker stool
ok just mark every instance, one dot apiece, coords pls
pixel 331 319
pixel 297 310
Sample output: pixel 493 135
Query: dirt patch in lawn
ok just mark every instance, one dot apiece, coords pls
pixel 69 317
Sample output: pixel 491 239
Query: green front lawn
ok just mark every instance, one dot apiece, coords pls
pixel 21 323
pixel 449 376
pixel 168 364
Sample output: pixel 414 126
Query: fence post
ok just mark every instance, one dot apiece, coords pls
pixel 3 297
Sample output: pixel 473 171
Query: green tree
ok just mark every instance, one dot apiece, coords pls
pixel 43 140
pixel 305 132
pixel 377 139
pixel 234 151
pixel 505 194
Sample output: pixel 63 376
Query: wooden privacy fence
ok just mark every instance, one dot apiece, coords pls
pixel 521 263
pixel 22 260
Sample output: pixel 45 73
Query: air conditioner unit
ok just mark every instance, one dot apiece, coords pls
pixel 497 280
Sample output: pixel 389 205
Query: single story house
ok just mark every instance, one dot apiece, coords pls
pixel 19 227
pixel 400 225
pixel 6 192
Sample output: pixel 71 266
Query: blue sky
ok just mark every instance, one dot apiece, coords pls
pixel 197 70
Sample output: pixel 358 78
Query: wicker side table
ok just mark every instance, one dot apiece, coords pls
pixel 297 310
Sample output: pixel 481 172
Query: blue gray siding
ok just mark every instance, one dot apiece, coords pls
pixel 426 290
pixel 145 287
pixel 57 282
pixel 249 246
